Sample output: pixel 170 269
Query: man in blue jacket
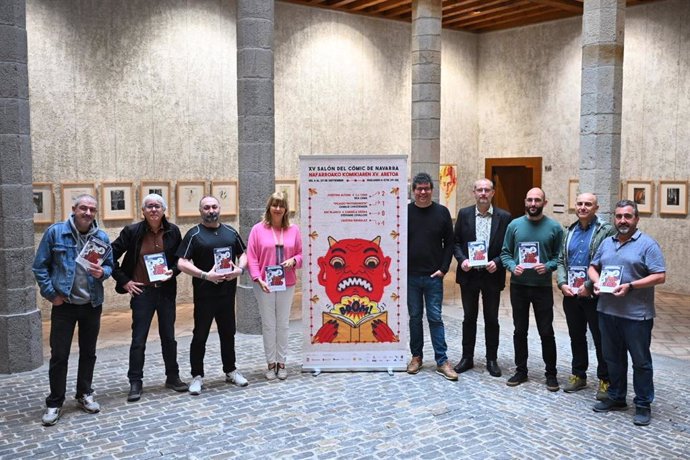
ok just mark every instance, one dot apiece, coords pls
pixel 76 293
pixel 153 236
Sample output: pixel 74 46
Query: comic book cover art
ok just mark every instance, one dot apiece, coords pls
pixel 610 278
pixel 275 278
pixel 528 254
pixel 576 278
pixel 354 273
pixel 156 266
pixel 476 250
pixel 223 260
pixel 94 251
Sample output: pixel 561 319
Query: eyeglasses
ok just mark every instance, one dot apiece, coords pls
pixel 423 189
pixel 153 206
pixel 485 190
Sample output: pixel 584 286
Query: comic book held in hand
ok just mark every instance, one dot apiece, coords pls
pixel 275 278
pixel 610 278
pixel 223 260
pixel 156 266
pixel 528 254
pixel 576 278
pixel 94 251
pixel 478 257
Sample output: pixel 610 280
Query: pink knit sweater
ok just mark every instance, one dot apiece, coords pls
pixel 261 250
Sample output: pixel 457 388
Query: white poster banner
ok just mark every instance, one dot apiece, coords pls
pixel 354 292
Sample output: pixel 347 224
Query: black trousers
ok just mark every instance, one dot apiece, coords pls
pixel 63 319
pixel 491 299
pixel 541 299
pixel 222 310
pixel 152 301
pixel 581 312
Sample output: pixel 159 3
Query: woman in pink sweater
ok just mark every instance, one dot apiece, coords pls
pixel 274 242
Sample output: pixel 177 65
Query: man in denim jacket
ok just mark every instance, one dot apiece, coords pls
pixel 76 294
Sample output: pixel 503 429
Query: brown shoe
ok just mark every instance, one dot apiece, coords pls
pixel 415 365
pixel 447 371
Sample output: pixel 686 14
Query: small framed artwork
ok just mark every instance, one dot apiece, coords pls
pixel 226 192
pixel 117 201
pixel 673 197
pixel 642 193
pixel 187 198
pixel 448 183
pixel 44 203
pixel 573 186
pixel 289 188
pixel 159 187
pixel 71 190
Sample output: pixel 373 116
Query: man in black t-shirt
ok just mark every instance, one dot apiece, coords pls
pixel 214 292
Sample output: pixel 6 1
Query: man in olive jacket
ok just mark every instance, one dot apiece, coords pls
pixel 581 241
pixel 153 235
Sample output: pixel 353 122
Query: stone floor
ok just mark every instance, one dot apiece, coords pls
pixel 351 415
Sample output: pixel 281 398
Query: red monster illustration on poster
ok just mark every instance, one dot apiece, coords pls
pixel 354 273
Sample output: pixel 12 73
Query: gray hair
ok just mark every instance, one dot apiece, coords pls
pixel 81 196
pixel 631 203
pixel 154 197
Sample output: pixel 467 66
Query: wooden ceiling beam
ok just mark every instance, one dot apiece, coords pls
pixel 388 6
pixel 467 8
pixel 364 4
pixel 340 3
pixel 515 8
pixel 564 5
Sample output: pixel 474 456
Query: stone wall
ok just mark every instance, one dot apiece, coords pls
pixel 137 89
pixel 529 99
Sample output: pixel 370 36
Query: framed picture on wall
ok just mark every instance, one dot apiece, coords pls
pixel 117 201
pixel 289 188
pixel 44 203
pixel 673 197
pixel 448 185
pixel 573 186
pixel 161 188
pixel 187 197
pixel 226 192
pixel 642 193
pixel 71 190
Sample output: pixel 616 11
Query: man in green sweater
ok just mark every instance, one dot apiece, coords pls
pixel 530 252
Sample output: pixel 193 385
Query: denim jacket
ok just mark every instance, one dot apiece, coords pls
pixel 55 263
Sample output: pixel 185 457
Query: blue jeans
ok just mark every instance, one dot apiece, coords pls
pixel 423 290
pixel 144 306
pixel 620 336
pixel 63 319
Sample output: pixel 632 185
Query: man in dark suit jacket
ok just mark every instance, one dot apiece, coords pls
pixel 480 223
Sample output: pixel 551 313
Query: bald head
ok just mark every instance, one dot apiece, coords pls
pixel 586 206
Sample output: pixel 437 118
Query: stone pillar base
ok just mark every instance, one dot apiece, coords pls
pixel 19 348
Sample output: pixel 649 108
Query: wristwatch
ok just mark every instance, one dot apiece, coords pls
pixel 631 286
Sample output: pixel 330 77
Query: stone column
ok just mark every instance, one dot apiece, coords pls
pixel 603 30
pixel 20 321
pixel 256 133
pixel 426 88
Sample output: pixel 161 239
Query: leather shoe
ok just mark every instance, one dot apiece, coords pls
pixel 465 364
pixel 176 384
pixel 135 389
pixel 492 367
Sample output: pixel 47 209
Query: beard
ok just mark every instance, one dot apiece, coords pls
pixel 211 218
pixel 535 213
pixel 623 229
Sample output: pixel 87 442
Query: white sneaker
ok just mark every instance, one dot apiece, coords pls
pixel 271 374
pixel 236 378
pixel 196 385
pixel 282 373
pixel 51 416
pixel 89 404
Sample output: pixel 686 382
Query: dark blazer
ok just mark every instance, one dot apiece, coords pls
pixel 129 244
pixel 465 231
